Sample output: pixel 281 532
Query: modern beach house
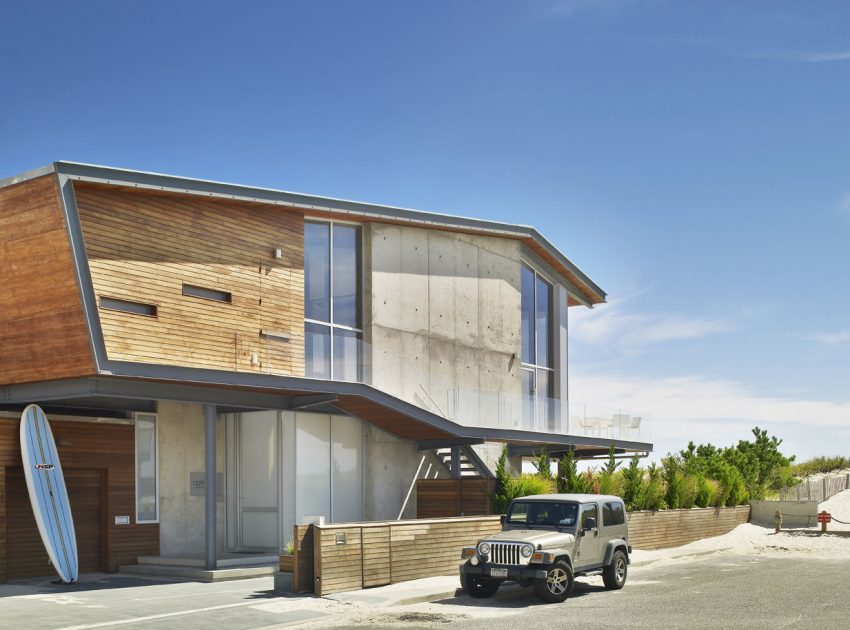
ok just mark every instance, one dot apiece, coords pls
pixel 220 362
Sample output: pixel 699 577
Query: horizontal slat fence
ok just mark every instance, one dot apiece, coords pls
pixel 442 498
pixel 816 490
pixel 673 528
pixel 351 556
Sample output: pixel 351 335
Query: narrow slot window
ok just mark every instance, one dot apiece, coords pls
pixel 127 306
pixel 147 479
pixel 207 294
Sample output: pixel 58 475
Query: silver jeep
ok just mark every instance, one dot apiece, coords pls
pixel 547 541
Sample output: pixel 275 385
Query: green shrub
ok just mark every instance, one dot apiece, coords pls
pixel 673 480
pixel 706 489
pixel 688 492
pixel 818 465
pixel 632 477
pixel 499 499
pixel 541 465
pixel 569 480
pixel 529 484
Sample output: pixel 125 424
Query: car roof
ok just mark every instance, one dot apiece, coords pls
pixel 579 498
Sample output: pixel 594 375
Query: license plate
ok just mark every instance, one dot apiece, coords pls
pixel 498 572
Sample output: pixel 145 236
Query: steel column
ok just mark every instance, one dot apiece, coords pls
pixel 209 488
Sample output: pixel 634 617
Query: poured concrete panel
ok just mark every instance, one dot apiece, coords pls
pixel 180 431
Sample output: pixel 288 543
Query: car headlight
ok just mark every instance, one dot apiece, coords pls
pixel 484 548
pixel 526 551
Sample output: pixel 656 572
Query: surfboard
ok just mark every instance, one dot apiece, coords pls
pixel 48 494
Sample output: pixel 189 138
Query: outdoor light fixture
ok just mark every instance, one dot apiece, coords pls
pixel 278 253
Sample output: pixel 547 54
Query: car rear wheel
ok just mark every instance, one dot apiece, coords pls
pixel 478 586
pixel 557 584
pixel 614 575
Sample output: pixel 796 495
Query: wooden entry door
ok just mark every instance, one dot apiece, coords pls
pixel 25 553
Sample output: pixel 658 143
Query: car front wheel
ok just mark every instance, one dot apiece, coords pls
pixel 557 584
pixel 478 586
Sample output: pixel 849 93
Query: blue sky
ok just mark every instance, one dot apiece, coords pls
pixel 693 158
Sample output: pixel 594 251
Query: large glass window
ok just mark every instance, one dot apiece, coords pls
pixel 332 304
pixel 147 496
pixel 538 375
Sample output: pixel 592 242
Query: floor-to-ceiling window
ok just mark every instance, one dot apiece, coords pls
pixel 333 329
pixel 538 369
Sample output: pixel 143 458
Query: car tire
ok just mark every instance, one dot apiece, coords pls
pixel 478 585
pixel 558 583
pixel 614 575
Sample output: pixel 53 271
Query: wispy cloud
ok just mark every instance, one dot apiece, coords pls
pixel 803 56
pixel 702 409
pixel 569 8
pixel 612 325
pixel 832 340
pixel 844 205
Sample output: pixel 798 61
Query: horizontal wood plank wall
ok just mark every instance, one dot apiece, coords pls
pixel 2 523
pixel 41 313
pixel 438 498
pixel 302 576
pixel 89 452
pixel 673 528
pixel 143 247
pixel 351 556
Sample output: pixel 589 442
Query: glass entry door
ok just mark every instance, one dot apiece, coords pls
pixel 258 479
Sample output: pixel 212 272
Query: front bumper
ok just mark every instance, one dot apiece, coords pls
pixel 514 572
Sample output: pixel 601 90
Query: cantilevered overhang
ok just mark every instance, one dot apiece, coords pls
pixel 135 386
pixel 581 288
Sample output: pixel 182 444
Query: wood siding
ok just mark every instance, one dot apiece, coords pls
pixel 674 528
pixel 98 460
pixel 143 247
pixel 374 554
pixel 439 498
pixel 41 314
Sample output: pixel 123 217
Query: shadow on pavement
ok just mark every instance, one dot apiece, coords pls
pixel 515 596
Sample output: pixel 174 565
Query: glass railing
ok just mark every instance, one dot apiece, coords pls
pixel 461 400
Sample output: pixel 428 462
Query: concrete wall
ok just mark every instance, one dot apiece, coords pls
pixel 443 311
pixel 180 429
pixel 390 468
pixel 794 513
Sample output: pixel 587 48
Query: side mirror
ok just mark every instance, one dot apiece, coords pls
pixel 502 519
pixel 589 523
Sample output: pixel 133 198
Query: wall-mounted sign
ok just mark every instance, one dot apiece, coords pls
pixel 122 520
pixel 197 484
pixel 340 538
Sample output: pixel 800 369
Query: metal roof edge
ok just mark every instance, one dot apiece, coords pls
pixel 173 183
pixel 27 175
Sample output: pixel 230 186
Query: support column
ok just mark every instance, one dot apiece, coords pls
pixel 562 411
pixel 455 463
pixel 209 488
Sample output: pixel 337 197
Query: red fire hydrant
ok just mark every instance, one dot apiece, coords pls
pixel 824 518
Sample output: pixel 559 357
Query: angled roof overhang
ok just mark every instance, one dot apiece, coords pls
pixel 133 384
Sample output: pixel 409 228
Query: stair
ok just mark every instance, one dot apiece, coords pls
pixel 470 466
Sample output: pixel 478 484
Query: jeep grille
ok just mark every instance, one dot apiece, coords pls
pixel 507 553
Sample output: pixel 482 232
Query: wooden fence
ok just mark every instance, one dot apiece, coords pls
pixel 350 556
pixel 442 498
pixel 819 490
pixel 673 528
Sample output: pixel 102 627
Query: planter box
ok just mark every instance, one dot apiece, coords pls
pixel 287 562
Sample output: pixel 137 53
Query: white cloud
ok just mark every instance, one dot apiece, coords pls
pixel 833 339
pixel 721 412
pixel 609 325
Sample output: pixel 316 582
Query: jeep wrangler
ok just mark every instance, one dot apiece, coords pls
pixel 547 541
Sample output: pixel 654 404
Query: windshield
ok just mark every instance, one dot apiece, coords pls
pixel 542 514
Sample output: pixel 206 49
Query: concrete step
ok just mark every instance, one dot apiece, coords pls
pixel 198 574
pixel 196 561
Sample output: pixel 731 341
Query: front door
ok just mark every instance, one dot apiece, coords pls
pixel 258 481
pixel 588 542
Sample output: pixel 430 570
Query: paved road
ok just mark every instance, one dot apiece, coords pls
pixel 727 592
pixel 732 592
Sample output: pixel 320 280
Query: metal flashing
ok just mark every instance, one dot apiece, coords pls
pixel 41 171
